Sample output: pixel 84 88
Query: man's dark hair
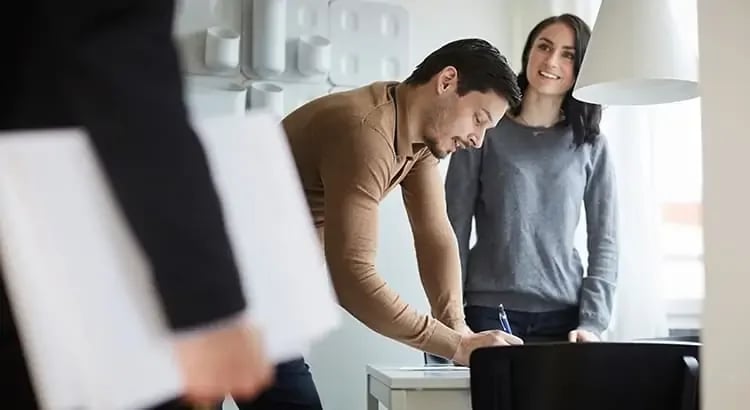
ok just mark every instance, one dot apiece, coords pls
pixel 480 67
pixel 583 117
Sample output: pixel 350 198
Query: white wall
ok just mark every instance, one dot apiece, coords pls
pixel 339 361
pixel 723 34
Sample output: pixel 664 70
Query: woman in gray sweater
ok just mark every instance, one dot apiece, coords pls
pixel 525 188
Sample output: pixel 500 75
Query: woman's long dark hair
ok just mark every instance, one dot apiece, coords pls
pixel 583 117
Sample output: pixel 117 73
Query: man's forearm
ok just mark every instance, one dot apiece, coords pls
pixel 440 270
pixel 364 294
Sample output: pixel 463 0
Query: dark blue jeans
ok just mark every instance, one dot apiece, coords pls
pixel 532 327
pixel 293 389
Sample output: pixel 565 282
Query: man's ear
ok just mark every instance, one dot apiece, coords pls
pixel 447 79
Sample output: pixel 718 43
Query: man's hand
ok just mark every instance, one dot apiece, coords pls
pixel 582 336
pixel 461 327
pixel 221 361
pixel 483 339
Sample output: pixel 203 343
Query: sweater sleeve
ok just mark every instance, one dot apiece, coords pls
pixel 122 77
pixel 434 241
pixel 600 201
pixel 355 173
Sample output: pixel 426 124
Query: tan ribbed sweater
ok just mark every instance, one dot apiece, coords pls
pixel 351 150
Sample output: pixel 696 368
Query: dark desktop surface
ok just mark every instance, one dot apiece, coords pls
pixel 680 335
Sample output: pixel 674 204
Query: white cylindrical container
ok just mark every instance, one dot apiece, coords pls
pixel 313 55
pixel 269 37
pixel 267 96
pixel 222 51
pixel 207 100
pixel 238 99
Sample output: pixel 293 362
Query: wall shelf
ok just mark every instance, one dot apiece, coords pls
pixel 348 43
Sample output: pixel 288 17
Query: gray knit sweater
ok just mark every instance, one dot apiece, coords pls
pixel 525 188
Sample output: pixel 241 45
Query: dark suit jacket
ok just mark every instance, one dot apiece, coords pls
pixel 111 67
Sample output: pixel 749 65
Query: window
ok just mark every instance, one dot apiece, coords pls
pixel 679 181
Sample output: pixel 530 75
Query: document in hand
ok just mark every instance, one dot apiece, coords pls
pixel 90 319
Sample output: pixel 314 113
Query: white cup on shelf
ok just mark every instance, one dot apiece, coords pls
pixel 222 51
pixel 267 96
pixel 238 94
pixel 313 55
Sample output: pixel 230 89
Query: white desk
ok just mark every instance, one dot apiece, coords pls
pixel 418 388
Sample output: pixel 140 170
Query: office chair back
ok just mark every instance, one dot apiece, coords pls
pixel 590 376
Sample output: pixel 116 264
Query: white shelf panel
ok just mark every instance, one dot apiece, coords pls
pixel 371 42
pixel 303 17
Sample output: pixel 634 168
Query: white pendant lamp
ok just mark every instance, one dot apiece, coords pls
pixel 636 56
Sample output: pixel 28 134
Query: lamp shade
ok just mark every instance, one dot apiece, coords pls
pixel 636 57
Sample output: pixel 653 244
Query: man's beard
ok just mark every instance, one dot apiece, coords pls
pixel 432 145
pixel 437 119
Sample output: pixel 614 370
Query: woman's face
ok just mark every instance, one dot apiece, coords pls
pixel 550 68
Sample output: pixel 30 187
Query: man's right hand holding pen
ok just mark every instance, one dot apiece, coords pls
pixel 488 338
pixel 471 341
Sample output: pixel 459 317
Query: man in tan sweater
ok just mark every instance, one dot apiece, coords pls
pixel 351 150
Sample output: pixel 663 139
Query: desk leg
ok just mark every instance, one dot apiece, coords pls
pixel 398 400
pixel 372 402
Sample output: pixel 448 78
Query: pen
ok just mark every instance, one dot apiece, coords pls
pixel 504 323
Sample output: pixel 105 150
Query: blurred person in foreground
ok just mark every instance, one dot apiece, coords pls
pixel 111 68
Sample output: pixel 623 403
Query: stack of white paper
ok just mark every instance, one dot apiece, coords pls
pixel 90 318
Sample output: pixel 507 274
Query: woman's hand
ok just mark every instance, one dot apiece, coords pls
pixel 582 336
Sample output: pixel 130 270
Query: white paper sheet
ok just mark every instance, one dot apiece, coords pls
pixel 91 322
pixel 446 368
